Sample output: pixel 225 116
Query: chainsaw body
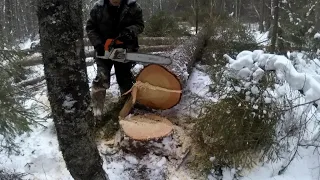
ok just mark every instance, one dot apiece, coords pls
pixel 115 51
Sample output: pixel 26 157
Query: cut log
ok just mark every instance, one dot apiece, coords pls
pixel 156 88
pixel 159 88
pixel 146 127
pixel 183 59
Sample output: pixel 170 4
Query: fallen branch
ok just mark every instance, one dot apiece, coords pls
pixel 31 81
pixel 309 144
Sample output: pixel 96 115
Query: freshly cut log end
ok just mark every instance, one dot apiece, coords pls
pixel 159 88
pixel 146 127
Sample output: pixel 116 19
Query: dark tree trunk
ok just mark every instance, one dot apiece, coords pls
pixel 61 35
pixel 275 26
pixel 8 21
pixel 196 5
pixel 262 16
pixel 268 15
pixel 317 16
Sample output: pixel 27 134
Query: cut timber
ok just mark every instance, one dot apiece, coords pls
pixel 146 127
pixel 183 59
pixel 156 88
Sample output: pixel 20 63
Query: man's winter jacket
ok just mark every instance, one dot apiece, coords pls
pixel 108 21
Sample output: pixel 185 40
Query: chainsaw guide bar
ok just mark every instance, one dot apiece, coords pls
pixel 121 55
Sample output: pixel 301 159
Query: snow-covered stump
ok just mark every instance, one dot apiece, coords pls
pixel 155 160
pixel 174 146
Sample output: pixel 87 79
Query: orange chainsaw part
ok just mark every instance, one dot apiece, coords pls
pixel 108 43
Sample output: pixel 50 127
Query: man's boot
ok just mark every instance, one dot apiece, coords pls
pixel 98 94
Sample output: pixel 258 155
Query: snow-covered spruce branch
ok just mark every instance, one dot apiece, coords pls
pixel 255 64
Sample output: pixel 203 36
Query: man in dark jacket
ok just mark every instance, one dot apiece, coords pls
pixel 110 19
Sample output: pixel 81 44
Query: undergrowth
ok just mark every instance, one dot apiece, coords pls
pixel 161 25
pixel 227 36
pixel 238 128
pixel 5 175
pixel 15 117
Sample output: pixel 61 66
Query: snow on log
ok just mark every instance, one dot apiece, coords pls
pixel 254 64
pixel 185 55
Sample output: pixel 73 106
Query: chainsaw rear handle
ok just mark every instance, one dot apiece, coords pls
pixel 110 43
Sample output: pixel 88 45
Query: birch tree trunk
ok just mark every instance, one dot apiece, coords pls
pixel 61 35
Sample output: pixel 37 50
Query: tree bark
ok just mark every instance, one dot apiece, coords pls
pixel 61 35
pixel 184 56
pixel 262 16
pixel 275 26
pixel 317 16
pixel 8 21
pixel 268 15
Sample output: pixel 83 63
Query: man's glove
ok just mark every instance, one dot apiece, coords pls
pixel 99 49
pixel 126 35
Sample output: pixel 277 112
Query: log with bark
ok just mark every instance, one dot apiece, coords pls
pixel 160 87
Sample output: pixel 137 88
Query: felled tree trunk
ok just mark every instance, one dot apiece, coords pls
pixel 185 55
pixel 183 59
pixel 61 36
pixel 146 132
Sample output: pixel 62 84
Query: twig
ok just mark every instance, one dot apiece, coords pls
pixel 183 159
pixel 45 174
pixel 284 168
pixel 301 105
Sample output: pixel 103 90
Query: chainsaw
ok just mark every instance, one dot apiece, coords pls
pixel 115 51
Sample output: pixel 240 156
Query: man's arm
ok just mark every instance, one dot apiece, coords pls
pixel 92 27
pixel 138 24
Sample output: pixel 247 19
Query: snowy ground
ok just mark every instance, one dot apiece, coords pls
pixel 41 159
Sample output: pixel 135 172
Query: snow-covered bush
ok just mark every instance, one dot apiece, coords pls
pixel 240 125
pixel 250 122
pixel 15 116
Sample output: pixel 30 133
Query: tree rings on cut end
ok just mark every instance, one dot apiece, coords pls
pixel 162 88
pixel 146 127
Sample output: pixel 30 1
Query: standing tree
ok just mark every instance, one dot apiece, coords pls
pixel 61 38
pixel 275 25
